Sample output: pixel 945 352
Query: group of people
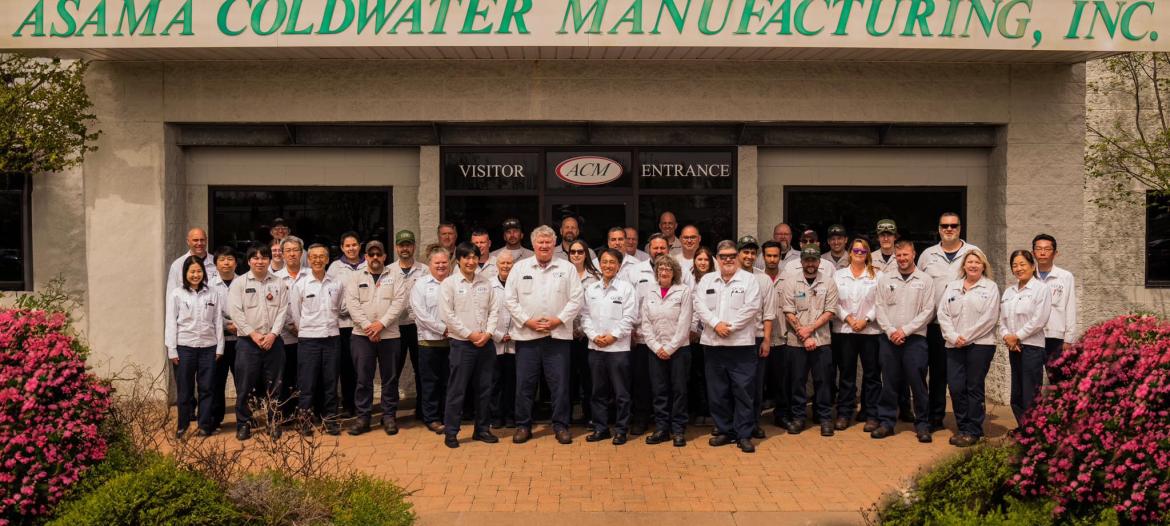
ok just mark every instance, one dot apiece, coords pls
pixel 639 338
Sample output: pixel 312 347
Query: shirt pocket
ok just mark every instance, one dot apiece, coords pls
pixel 209 310
pixel 613 310
pixel 735 301
pixel 711 300
pixel 525 286
pixel 802 301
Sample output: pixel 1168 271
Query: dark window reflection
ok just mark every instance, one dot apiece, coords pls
pixel 12 232
pixel 915 210
pixel 1157 240
pixel 469 212
pixel 240 217
pixel 714 215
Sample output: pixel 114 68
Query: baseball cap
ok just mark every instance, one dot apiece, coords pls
pixel 810 252
pixel 511 223
pixel 887 226
pixel 403 236
pixel 837 230
pixel 278 222
pixel 375 244
pixel 747 241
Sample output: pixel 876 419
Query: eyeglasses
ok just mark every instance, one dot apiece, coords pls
pixel 375 255
pixel 726 257
pixel 576 251
pixel 860 251
pixel 949 226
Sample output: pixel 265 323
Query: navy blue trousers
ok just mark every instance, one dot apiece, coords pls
pixel 258 372
pixel 194 378
pixel 819 363
pixel 549 356
pixel 1053 348
pixel 668 381
pixel 731 388
pixel 967 376
pixel 1027 377
pixel 610 372
pixel 317 361
pixel 434 367
pixel 368 356
pixel 903 365
pixel 472 369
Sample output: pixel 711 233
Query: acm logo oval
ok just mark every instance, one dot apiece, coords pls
pixel 589 170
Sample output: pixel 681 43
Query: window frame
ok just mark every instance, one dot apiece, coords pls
pixel 26 283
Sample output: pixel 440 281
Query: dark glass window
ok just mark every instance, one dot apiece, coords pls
pixel 714 215
pixel 464 170
pixel 15 264
pixel 693 170
pixel 470 212
pixel 914 209
pixel 1157 240
pixel 242 216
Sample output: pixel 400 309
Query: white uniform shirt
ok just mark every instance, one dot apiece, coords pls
pixel 639 255
pixel 534 291
pixel 425 300
pixel 287 335
pixel 1062 323
pixel 837 263
pixel 468 306
pixel 780 323
pixel 417 270
pixel 489 269
pixel 676 247
pixel 857 297
pixel 736 302
pixel 906 304
pixel 342 272
pixel 626 271
pixel 257 305
pixel 687 264
pixel 1024 312
pixel 933 261
pixel 586 280
pixel 221 288
pixel 767 302
pixel 664 322
pixel 503 322
pixel 517 254
pixel 644 276
pixel 315 306
pixel 381 300
pixel 194 319
pixel 610 310
pixel 884 265
pixel 175 276
pixel 970 313
pixel 793 269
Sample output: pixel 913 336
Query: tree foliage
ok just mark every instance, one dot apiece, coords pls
pixel 45 115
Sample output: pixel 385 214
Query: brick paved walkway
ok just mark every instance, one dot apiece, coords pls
pixel 792 479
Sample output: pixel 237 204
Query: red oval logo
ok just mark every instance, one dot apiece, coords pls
pixel 589 170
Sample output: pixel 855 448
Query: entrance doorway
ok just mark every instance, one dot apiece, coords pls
pixel 595 215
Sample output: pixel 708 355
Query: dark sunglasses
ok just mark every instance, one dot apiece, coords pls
pixel 860 251
pixel 949 226
pixel 576 251
pixel 726 257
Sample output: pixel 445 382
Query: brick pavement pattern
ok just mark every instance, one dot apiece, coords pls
pixel 803 478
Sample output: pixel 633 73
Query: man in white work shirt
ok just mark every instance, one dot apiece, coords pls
pixel 728 303
pixel 1060 332
pixel 943 263
pixel 631 249
pixel 315 304
pixel 483 244
pixel 543 295
pixel 196 246
pixel 691 240
pixel 351 262
pixel 293 249
pixel 513 235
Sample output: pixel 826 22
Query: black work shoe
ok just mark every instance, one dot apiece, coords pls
pixel 758 433
pixel 924 437
pixel 390 426
pixel 881 432
pixel 795 427
pixel 658 437
pixel 620 439
pixel 826 429
pixel 598 436
pixel 451 441
pixel 359 426
pixel 243 432
pixel 964 440
pixel 332 428
pixel 745 445
pixel 486 437
pixel 720 440
pixel 679 440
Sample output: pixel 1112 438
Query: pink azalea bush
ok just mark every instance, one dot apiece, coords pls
pixel 1101 438
pixel 50 411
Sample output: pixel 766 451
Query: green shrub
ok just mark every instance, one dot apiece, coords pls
pixel 161 493
pixel 272 498
pixel 367 500
pixel 976 481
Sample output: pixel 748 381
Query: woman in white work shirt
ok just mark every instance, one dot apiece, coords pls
pixel 855 326
pixel 580 383
pixel 967 314
pixel 1023 313
pixel 194 341
pixel 666 312
pixel 608 319
pixel 504 384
